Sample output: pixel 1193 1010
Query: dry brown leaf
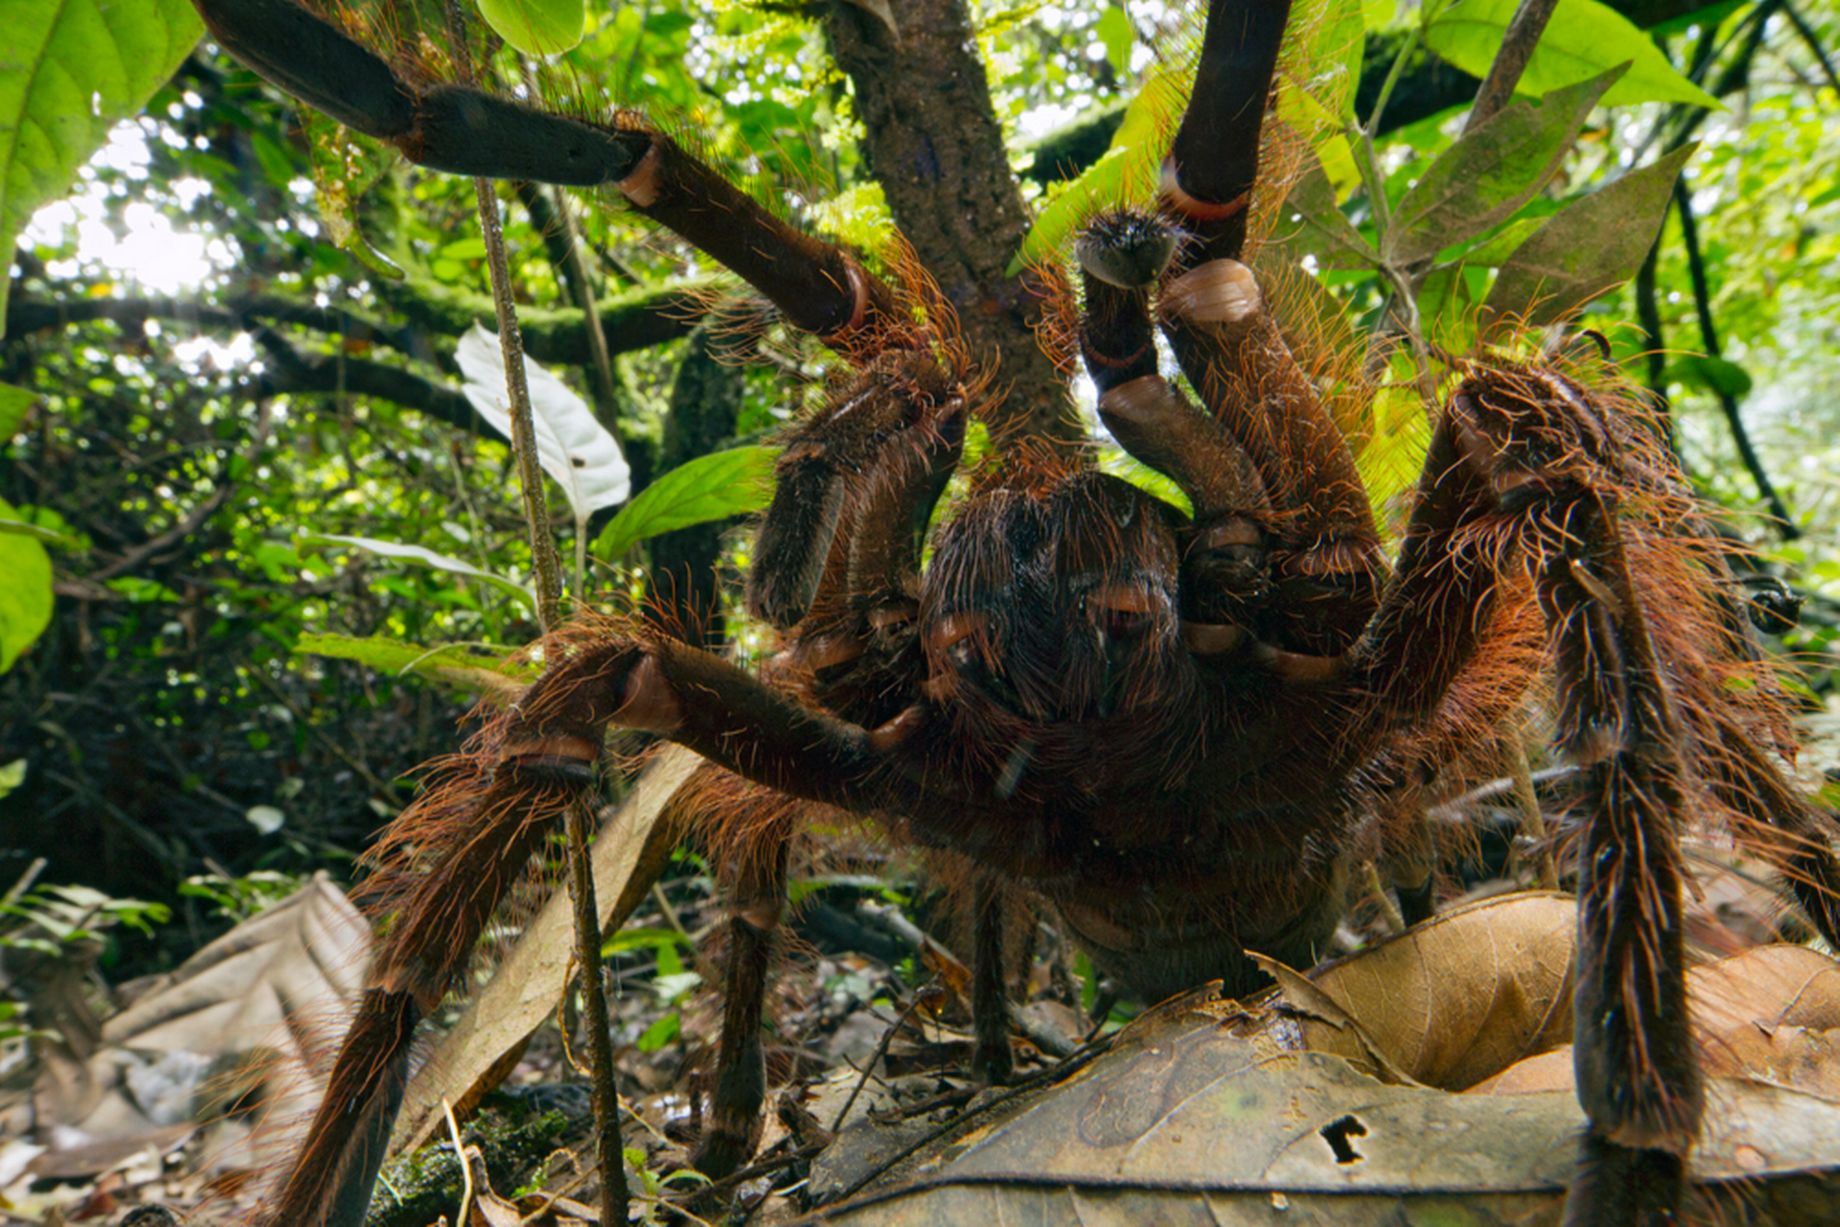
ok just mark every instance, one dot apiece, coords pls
pixel 1769 1015
pixel 1768 986
pixel 1455 999
pixel 1205 1113
pixel 270 994
pixel 629 853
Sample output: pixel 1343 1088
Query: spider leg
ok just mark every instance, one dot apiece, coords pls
pixel 992 1059
pixel 1555 468
pixel 1326 555
pixel 819 287
pixel 862 474
pixel 1225 576
pixel 756 888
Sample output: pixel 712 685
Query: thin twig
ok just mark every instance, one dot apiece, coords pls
pixel 881 1050
pixel 1517 44
pixel 17 890
pixel 466 1166
pixel 1527 801
pixel 615 1198
pixel 1813 43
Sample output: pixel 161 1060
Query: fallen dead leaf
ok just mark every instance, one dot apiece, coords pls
pixel 629 852
pixel 258 1005
pixel 1454 999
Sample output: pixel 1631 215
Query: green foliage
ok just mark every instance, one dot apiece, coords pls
pixel 13 405
pixel 68 70
pixel 718 486
pixel 56 917
pixel 1592 245
pixel 1491 170
pixel 1583 39
pixel 469 667
pixel 536 27
pixel 25 597
pixel 236 899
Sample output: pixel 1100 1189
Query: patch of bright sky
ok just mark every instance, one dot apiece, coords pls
pixel 143 248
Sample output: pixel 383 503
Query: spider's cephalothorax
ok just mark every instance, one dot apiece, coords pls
pixel 1173 727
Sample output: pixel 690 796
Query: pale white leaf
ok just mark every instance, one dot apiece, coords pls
pixel 573 447
pixel 424 556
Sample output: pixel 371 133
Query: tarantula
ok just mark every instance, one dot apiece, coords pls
pixel 1168 726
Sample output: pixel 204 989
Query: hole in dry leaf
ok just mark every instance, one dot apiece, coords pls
pixel 1337 1132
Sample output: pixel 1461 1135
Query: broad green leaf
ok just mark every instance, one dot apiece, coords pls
pixel 1127 171
pixel 1719 375
pixel 536 27
pixel 1491 170
pixel 13 403
pixel 713 487
pixel 455 664
pixel 25 590
pixel 1114 32
pixel 1583 39
pixel 1341 245
pixel 1591 245
pixel 12 776
pixel 422 557
pixel 1120 463
pixel 69 69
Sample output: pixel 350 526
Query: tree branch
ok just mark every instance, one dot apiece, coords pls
pixel 631 322
pixel 932 140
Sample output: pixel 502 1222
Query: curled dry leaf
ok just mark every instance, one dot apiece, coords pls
pixel 1452 1001
pixel 1214 1112
pixel 261 1003
pixel 1770 1015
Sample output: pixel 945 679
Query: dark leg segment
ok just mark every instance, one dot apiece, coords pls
pixel 902 411
pixel 819 287
pixel 1214 163
pixel 757 899
pixel 1327 563
pixel 992 1059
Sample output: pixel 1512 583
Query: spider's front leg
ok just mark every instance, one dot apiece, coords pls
pixel 819 287
pixel 1549 457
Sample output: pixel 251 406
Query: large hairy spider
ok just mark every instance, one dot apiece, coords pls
pixel 1168 727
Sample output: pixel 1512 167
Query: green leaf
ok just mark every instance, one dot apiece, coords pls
pixel 1114 32
pixel 12 776
pixel 1491 170
pixel 25 594
pixel 736 482
pixel 1583 39
pixel 1128 170
pixel 536 27
pixel 13 402
pixel 69 69
pixel 1718 375
pixel 1120 463
pixel 1590 246
pixel 423 557
pixel 38 532
pixel 1313 196
pixel 660 1033
pixel 456 664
